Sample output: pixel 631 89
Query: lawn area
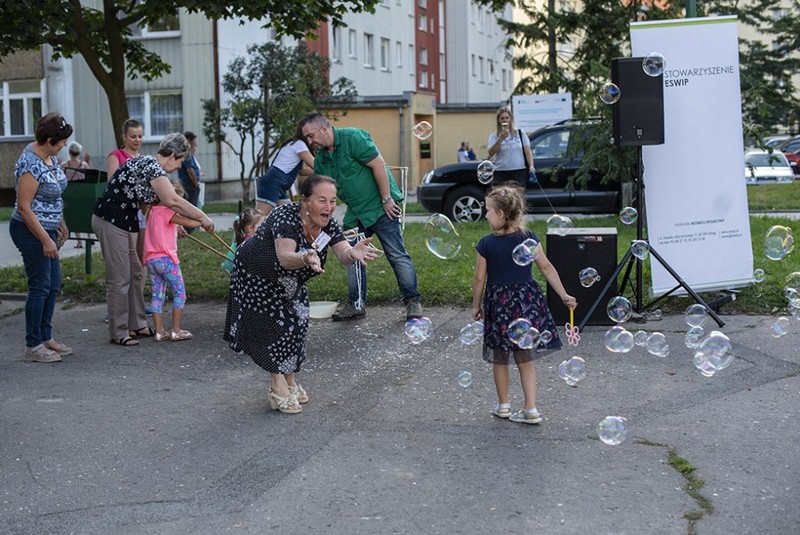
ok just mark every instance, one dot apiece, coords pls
pixel 442 282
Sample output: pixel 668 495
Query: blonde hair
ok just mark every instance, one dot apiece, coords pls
pixel 507 198
pixel 248 217
pixel 500 110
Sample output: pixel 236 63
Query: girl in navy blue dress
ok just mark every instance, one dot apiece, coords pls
pixel 503 291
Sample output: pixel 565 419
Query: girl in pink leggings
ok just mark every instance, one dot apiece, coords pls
pixel 163 266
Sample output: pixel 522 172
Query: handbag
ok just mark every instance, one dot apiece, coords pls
pixel 532 177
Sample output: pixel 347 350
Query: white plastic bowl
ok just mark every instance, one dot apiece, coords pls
pixel 320 310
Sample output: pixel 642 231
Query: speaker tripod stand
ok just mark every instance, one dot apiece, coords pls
pixel 630 260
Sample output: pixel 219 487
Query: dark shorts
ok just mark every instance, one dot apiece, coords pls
pixel 272 186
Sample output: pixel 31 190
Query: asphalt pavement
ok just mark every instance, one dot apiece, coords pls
pixel 178 437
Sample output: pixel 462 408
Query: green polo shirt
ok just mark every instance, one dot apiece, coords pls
pixel 353 149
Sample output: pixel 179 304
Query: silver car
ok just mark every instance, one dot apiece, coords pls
pixel 763 167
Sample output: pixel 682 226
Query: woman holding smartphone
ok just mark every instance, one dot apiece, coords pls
pixel 510 150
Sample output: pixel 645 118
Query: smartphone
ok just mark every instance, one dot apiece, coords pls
pixel 504 126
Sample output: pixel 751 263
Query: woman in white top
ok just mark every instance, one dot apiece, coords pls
pixel 510 150
pixel 293 159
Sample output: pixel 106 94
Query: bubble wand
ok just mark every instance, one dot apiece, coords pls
pixel 572 331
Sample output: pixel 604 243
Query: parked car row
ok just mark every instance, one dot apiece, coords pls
pixel 454 190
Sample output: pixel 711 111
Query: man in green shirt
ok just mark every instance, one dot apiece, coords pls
pixel 367 187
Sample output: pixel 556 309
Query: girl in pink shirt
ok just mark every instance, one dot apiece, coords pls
pixel 163 266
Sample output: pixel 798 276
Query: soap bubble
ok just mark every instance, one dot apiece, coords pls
pixel 693 337
pixel 759 275
pixel 778 242
pixel 618 339
pixel 441 237
pixel 422 130
pixel 640 338
pixel 523 334
pixel 613 430
pixel 793 281
pixel 696 315
pixel 657 345
pixel 713 354
pixel 628 215
pixel 619 309
pixel 464 379
pixel 656 314
pixel 559 224
pixel 472 333
pixel 545 337
pixel 418 329
pixel 640 249
pixel 588 276
pixel 485 172
pixel 653 65
pixel 572 370
pixel 609 93
pixel 780 327
pixel 525 253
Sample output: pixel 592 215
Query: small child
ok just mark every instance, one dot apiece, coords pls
pixel 507 292
pixel 163 266
pixel 244 226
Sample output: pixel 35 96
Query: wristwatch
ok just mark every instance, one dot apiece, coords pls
pixel 385 200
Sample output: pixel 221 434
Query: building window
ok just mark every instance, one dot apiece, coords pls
pixel 21 107
pixel 398 52
pixel 385 45
pixel 369 50
pixel 159 112
pixel 482 78
pixel 474 66
pixel 423 79
pixel 352 44
pixel 423 56
pixel 423 4
pixel 337 44
pixel 166 26
pixel 422 24
pixel 504 80
pixel 491 71
pixel 442 66
pixel 411 68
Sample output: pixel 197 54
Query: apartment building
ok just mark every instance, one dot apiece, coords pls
pixel 409 56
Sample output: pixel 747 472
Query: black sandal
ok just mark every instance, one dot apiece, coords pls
pixel 127 341
pixel 143 332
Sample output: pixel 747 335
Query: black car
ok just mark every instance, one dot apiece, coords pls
pixel 454 190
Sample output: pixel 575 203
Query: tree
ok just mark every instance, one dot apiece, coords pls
pixel 268 93
pixel 103 36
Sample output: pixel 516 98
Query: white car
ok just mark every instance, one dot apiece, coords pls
pixel 762 167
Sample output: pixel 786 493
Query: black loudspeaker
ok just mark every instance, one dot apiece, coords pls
pixel 582 248
pixel 638 115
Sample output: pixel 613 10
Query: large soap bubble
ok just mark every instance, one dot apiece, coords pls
pixel 523 334
pixel 693 337
pixel 572 370
pixel 472 333
pixel 619 309
pixel 780 327
pixel 613 430
pixel 628 215
pixel 657 345
pixel 609 93
pixel 793 281
pixel 759 275
pixel 778 243
pixel 653 65
pixel 588 276
pixel 441 237
pixel 696 315
pixel 713 354
pixel 559 224
pixel 640 249
pixel 422 130
pixel 418 329
pixel 618 339
pixel 525 253
pixel 485 172
pixel 640 338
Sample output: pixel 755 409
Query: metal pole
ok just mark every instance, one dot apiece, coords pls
pixel 691 9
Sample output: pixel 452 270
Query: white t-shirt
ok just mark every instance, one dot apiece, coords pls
pixel 510 156
pixel 289 156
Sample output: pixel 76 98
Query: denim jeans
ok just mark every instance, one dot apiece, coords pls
pixel 390 234
pixel 44 283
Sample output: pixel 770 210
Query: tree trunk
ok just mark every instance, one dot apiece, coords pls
pixel 245 182
pixel 552 47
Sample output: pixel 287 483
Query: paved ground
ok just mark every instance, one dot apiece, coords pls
pixel 177 437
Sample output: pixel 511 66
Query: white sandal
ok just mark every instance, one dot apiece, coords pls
pixel 299 392
pixel 288 405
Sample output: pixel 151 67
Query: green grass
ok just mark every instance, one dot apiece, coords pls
pixel 441 282
pixel 774 197
pixel 5 213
